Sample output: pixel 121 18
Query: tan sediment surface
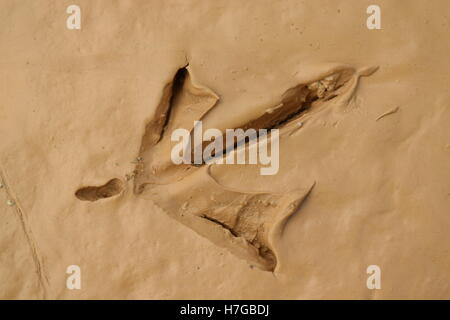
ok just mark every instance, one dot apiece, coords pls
pixel 85 156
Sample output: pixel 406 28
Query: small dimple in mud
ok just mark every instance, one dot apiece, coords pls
pixel 110 189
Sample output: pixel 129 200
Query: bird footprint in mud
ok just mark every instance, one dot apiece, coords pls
pixel 247 223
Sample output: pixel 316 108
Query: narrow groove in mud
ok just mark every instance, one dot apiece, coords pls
pixel 31 241
pixel 295 103
pixel 223 225
pixel 263 251
pixel 177 86
pixel 155 129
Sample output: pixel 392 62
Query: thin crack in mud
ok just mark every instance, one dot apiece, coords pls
pixel 32 243
pixel 223 225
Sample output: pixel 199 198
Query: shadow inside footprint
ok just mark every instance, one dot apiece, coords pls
pixel 112 188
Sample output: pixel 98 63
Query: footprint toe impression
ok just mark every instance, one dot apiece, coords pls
pixel 112 188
